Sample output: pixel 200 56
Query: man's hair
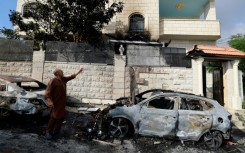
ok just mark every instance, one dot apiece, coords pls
pixel 56 71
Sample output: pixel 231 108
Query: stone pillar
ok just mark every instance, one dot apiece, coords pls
pixel 236 98
pixel 119 76
pixel 197 76
pixel 210 11
pixel 37 65
pixel 226 84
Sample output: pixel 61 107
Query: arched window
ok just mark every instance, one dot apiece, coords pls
pixel 27 9
pixel 136 23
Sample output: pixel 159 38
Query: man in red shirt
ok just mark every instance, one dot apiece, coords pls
pixel 56 96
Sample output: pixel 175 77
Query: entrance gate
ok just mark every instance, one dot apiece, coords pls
pixel 218 86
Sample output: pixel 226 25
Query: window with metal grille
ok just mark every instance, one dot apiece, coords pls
pixel 28 8
pixel 136 23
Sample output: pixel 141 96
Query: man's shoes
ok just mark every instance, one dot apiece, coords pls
pixel 48 136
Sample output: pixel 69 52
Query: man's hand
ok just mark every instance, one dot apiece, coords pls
pixel 80 71
pixel 50 103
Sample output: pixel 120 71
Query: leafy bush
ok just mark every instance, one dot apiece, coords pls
pixel 240 118
pixel 243 104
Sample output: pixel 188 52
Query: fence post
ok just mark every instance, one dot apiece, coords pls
pixel 119 76
pixel 38 65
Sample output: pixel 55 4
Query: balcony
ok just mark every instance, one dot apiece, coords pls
pixel 192 29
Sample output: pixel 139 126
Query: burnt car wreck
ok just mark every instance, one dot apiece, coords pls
pixel 21 95
pixel 171 115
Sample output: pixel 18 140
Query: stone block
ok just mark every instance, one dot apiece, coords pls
pixel 116 96
pixel 144 75
pixel 118 91
pixel 108 96
pixel 119 85
pixel 140 81
pixel 119 69
pixel 119 74
pixel 152 76
pixel 119 79
pixel 108 74
pixel 105 102
pixel 92 101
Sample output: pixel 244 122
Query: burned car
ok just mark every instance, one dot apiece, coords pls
pixel 172 115
pixel 21 95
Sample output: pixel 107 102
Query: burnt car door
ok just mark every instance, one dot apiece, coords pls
pixel 194 118
pixel 159 117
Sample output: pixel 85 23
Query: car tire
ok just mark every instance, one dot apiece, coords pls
pixel 119 127
pixel 4 112
pixel 213 139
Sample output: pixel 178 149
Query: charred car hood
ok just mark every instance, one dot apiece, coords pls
pixel 22 94
pixel 23 102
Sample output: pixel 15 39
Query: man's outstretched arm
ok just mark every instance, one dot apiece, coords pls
pixel 80 71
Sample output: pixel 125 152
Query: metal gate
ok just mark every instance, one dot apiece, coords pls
pixel 218 93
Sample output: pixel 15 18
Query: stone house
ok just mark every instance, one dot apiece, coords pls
pixel 178 26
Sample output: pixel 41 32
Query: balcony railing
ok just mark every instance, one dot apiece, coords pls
pixel 189 29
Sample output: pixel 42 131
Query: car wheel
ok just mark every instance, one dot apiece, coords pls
pixel 213 139
pixel 119 127
pixel 4 112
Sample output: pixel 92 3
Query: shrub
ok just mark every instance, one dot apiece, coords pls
pixel 243 104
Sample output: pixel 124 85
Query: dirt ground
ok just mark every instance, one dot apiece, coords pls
pixel 25 134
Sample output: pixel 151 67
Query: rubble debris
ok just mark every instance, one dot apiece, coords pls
pixel 241 141
pixel 156 142
pixel 88 109
pixel 228 142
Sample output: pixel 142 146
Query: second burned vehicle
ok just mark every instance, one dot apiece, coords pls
pixel 172 115
pixel 21 95
pixel 24 96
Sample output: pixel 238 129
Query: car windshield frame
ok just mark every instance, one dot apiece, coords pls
pixel 13 87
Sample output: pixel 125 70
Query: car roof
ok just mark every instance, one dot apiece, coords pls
pixel 13 78
pixel 183 94
pixel 157 91
pixel 180 93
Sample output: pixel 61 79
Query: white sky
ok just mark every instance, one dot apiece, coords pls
pixel 231 14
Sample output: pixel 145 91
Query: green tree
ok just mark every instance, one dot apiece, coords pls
pixel 238 42
pixel 66 20
pixel 9 33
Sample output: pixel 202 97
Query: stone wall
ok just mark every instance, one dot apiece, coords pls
pixel 177 79
pixel 100 83
pixel 94 85
pixel 16 68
